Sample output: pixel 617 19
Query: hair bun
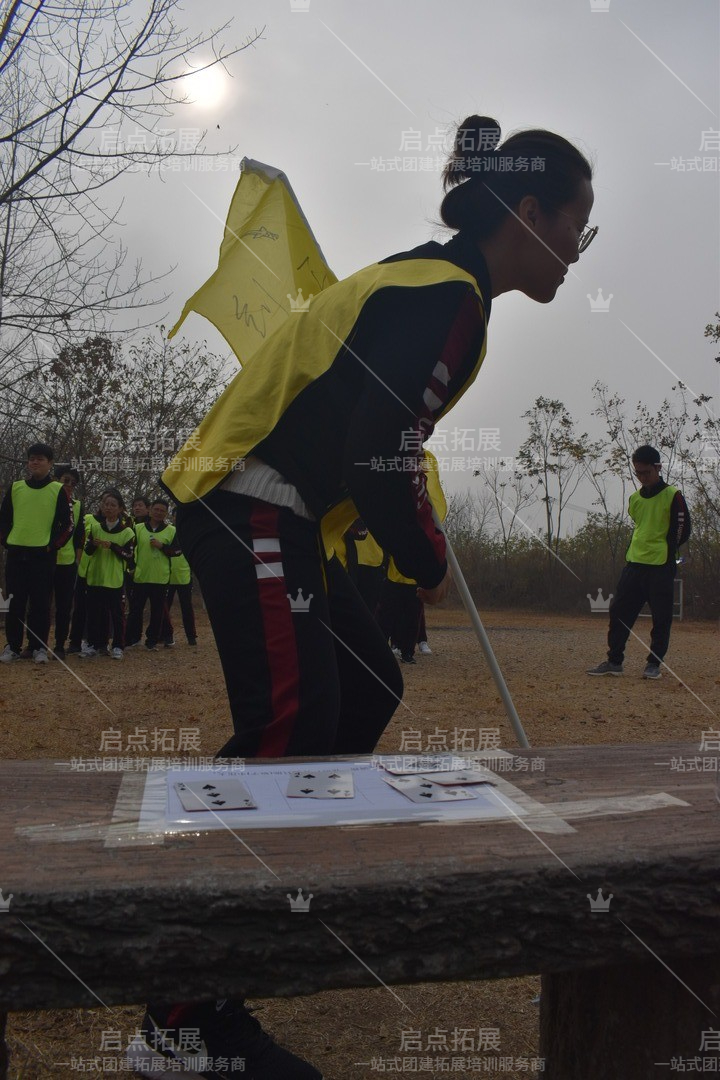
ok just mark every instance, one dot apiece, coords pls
pixel 475 136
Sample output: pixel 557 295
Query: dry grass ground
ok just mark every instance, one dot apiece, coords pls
pixel 449 696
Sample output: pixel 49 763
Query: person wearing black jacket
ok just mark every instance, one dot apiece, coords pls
pixel 35 522
pixel 325 423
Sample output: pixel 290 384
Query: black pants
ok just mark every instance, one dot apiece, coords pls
pixel 399 615
pixel 65 575
pixel 29 580
pixel 78 626
pixel 184 593
pixel 640 584
pixel 142 591
pixel 306 667
pixel 103 606
pixel 422 629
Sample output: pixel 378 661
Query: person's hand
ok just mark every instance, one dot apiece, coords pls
pixel 155 543
pixel 438 594
pixel 104 543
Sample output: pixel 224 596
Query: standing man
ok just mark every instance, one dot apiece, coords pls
pixel 155 546
pixel 35 522
pixel 67 560
pixel 662 524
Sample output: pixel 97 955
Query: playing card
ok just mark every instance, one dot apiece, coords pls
pixel 328 784
pixel 215 795
pixel 458 777
pixel 420 790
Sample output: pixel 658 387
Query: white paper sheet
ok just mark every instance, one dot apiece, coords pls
pixel 374 802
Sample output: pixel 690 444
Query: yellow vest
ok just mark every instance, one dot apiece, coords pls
pixel 652 522
pixel 104 567
pixel 179 570
pixel 152 566
pixel 66 554
pixel 85 558
pixel 33 514
pixel 298 353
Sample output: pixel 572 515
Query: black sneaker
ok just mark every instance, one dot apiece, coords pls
pixel 73 650
pixel 170 643
pixel 407 658
pixel 59 653
pixel 192 641
pixel 150 648
pixel 216 1040
pixel 606 668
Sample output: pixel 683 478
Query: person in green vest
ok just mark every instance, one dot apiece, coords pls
pixel 109 543
pixel 35 522
pixel 180 583
pixel 155 547
pixel 140 510
pixel 78 625
pixel 140 516
pixel 67 560
pixel 662 524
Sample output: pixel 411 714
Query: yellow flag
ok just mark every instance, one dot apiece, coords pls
pixel 269 263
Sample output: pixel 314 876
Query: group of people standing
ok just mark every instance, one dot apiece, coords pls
pixel 96 568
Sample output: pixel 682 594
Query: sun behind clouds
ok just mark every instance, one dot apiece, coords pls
pixel 206 88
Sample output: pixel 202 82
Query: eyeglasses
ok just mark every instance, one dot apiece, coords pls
pixel 587 234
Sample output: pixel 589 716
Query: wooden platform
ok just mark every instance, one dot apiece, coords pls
pixel 207 914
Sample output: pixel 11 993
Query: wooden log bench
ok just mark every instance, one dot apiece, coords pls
pixel 626 991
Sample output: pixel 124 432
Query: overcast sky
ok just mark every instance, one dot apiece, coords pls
pixel 329 91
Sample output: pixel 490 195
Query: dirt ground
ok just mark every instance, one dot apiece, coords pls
pixel 452 703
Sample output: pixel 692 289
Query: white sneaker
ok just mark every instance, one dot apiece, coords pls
pixel 88 653
pixel 40 656
pixel 8 655
pixel 396 652
pixel 117 654
pixel 424 648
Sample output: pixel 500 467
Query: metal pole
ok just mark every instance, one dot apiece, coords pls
pixel 472 611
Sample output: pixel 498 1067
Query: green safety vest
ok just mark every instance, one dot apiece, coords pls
pixel 66 554
pixel 652 521
pixel 33 514
pixel 85 558
pixel 104 567
pixel 179 570
pixel 152 566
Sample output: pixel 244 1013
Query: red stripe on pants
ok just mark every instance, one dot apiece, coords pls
pixel 280 644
